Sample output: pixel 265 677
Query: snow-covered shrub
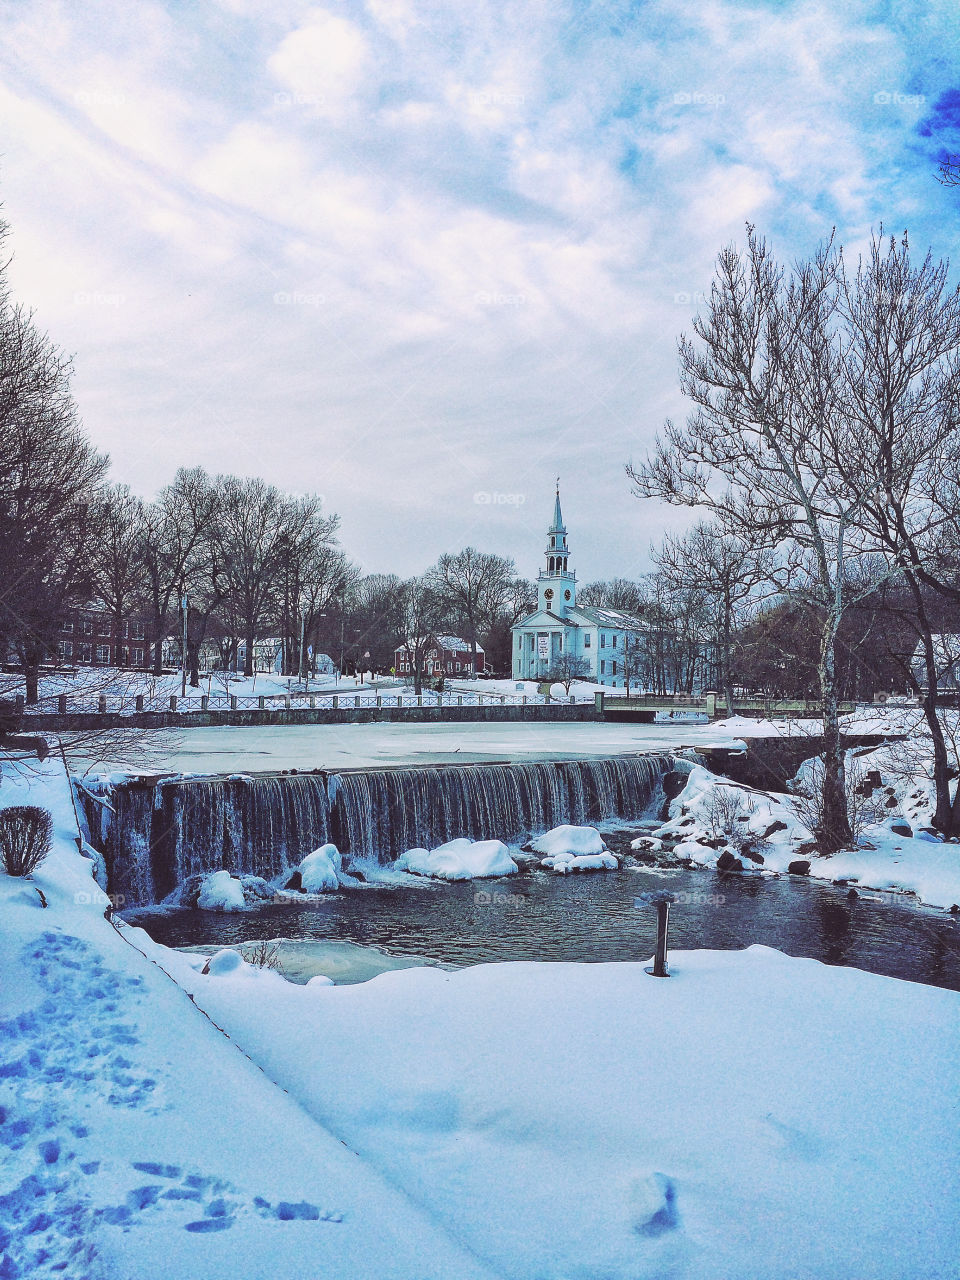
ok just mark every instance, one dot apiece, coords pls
pixel 730 812
pixel 221 892
pixel 26 833
pixel 264 955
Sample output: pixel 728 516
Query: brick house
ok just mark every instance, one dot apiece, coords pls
pixel 444 656
pixel 90 637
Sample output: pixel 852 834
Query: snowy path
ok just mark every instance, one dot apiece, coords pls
pixel 135 1140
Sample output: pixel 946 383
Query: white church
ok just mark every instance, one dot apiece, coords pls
pixel 562 628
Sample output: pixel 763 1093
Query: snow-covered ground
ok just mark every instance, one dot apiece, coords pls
pixel 515 1120
pixel 734 1121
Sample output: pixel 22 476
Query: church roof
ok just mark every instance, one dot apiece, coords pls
pixel 616 619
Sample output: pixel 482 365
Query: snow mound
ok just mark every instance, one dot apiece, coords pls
pixel 459 860
pixel 564 862
pixel 221 892
pixel 224 962
pixel 321 870
pixel 572 841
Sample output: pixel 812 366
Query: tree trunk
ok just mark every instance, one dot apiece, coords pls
pixel 248 652
pixel 835 832
pixel 944 818
pixel 31 675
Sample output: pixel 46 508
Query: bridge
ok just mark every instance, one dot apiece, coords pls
pixel 643 707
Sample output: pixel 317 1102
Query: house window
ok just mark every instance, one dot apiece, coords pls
pixel 613 668
pixel 603 667
pixel 137 657
pixel 65 650
pixel 67 626
pixel 125 630
pixel 86 626
pixel 603 639
pixel 614 643
pixel 587 640
pixel 104 627
pixel 136 631
pixel 86 653
pixel 103 653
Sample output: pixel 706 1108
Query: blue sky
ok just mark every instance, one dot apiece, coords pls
pixel 420 258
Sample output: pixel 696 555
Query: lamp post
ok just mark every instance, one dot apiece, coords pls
pixel 184 605
pixel 304 673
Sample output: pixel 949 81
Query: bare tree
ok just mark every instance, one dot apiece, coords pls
pixel 618 593
pixel 49 479
pixel 567 668
pixel 117 567
pixel 902 400
pixel 422 614
pixel 475 586
pixel 730 575
pixel 173 528
pixel 766 446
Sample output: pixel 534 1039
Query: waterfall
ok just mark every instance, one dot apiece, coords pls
pixel 161 832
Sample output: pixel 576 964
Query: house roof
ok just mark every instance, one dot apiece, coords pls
pixel 454 644
pixel 616 619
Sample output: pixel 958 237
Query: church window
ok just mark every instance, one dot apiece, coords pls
pixel 603 639
pixel 614 639
pixel 586 640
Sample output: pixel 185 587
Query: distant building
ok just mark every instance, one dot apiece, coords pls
pixel 443 656
pixel 561 629
pixel 90 637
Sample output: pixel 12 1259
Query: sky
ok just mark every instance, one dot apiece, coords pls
pixel 422 258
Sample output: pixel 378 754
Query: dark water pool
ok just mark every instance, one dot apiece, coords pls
pixel 540 916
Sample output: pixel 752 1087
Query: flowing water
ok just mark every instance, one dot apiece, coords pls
pixel 155 834
pixel 592 916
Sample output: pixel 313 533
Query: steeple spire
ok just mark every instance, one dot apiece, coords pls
pixel 557 526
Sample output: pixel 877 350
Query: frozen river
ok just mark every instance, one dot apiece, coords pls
pixel 363 746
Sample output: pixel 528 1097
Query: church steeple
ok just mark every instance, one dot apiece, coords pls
pixel 557 584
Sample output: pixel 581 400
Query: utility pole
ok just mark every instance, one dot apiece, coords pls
pixel 303 644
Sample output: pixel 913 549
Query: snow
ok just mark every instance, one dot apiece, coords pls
pixel 459 860
pixel 884 860
pixel 223 962
pixel 564 862
pixel 505 1099
pixel 137 1140
pixel 221 892
pixel 565 840
pixel 233 749
pixel 320 871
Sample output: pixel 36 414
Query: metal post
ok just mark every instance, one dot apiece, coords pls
pixel 138 702
pixel 661 900
pixel 102 704
pixel 62 704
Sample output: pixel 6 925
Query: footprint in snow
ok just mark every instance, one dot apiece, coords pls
pixel 656 1206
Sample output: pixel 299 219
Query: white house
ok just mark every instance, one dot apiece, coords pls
pixel 561 628
pixel 946 650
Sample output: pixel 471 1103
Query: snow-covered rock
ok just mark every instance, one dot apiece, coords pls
pixel 221 892
pixel 320 871
pixel 459 860
pixel 565 862
pixel 569 841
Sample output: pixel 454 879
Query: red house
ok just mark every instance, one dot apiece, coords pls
pixel 443 656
